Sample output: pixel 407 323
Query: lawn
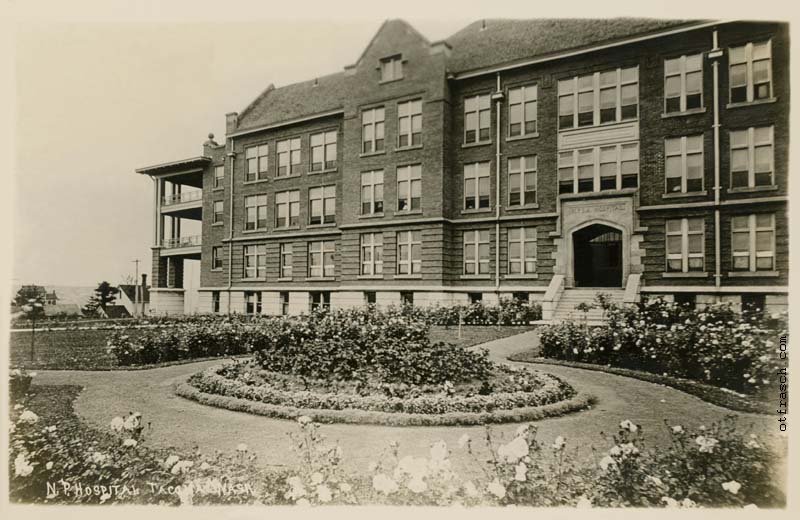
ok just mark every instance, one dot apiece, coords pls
pixel 86 349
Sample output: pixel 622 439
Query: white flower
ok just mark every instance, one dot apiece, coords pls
pixel 22 466
pixel 205 466
pixel 117 423
pixel 49 465
pixel 706 444
pixel 304 419
pixel 615 451
pixel 671 502
pixel 133 421
pixel 496 488
pixel 17 406
pixel 470 489
pixel 583 502
pixel 297 490
pixel 463 441
pixel 629 449
pixel 317 478
pixel 607 462
pixel 559 443
pixel 732 487
pixel 752 444
pixel 170 461
pixel 521 474
pixel 438 451
pixel 655 480
pixel 98 458
pixel 303 502
pixel 345 487
pixel 514 450
pixel 324 493
pixel 417 485
pixel 181 467
pixel 130 443
pixel 51 429
pixel 677 429
pixel 242 447
pixel 523 430
pixel 688 502
pixel 628 425
pixel 384 484
pixel 28 417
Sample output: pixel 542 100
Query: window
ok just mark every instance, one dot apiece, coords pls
pixel 476 185
pixel 683 83
pixel 255 261
pixel 257 159
pixel 255 210
pixel 392 68
pixel 320 300
pixel 521 297
pixel 477 119
pixel 372 192
pixel 252 301
pixel 685 300
pixel 522 250
pixel 322 201
pixel 599 168
pixel 320 259
pixel 476 252
pixel 751 72
pixel 323 151
pixel 409 252
pixel 370 298
pixel 287 209
pixel 284 299
pixel 372 128
pixel 215 302
pixel 602 97
pixel 522 180
pixel 753 242
pixel 685 245
pixel 475 297
pixel 372 253
pixel 219 175
pixel 218 211
pixel 407 298
pixel 409 120
pixel 286 261
pixel 216 258
pixel 409 187
pixel 752 157
pixel 683 164
pixel 522 111
pixel 289 160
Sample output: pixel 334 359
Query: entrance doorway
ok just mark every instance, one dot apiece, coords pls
pixel 597 254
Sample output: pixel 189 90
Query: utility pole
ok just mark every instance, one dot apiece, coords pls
pixel 136 288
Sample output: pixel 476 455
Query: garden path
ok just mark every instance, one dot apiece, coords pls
pixel 182 423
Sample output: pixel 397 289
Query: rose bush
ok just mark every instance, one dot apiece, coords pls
pixel 715 345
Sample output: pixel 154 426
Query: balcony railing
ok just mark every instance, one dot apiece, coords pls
pixel 180 198
pixel 175 243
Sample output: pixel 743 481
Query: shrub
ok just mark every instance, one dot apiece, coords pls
pixel 715 345
pixel 18 383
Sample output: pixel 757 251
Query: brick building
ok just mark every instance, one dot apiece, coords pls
pixel 535 159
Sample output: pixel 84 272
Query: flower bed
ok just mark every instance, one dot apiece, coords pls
pixel 509 394
pixel 715 345
pixel 708 467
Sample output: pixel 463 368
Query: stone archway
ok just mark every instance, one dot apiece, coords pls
pixel 597 256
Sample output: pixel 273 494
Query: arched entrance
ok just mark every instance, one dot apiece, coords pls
pixel 597 256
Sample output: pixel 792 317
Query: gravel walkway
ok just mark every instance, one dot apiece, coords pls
pixel 182 423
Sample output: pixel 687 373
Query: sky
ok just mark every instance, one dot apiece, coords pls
pixel 95 101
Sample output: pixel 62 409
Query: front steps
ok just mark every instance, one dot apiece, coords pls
pixel 565 309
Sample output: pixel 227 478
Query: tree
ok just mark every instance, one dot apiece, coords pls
pixel 30 295
pixel 103 296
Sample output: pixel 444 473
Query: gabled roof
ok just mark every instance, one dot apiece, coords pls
pixel 129 289
pixel 115 311
pixel 498 41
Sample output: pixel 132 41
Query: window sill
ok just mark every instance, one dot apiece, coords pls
pixel 252 231
pixel 263 279
pixel 320 279
pixel 317 226
pixel 322 172
pixel 474 211
pixel 285 279
pixel 522 208
pixel 257 181
pixel 408 276
pixel 691 112
pixel 473 145
pixel 218 224
pixel 403 212
pixel 522 137
pixel 218 188
pixel 372 154
pixel 694 274
pixel 754 274
pixel 387 81
pixel 682 195
pixel 476 277
pixel 752 103
pixel 371 215
pixel 288 228
pixel 600 125
pixel 292 176
pixel 752 189
pixel 406 148
pixel 370 277
pixel 598 194
pixel 528 276
pixel 217 270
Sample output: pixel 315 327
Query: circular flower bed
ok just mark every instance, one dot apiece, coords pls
pixel 506 395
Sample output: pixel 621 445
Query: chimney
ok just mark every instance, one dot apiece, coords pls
pixel 231 122
pixel 144 288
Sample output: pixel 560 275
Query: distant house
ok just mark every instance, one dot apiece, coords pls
pixel 51 298
pixel 113 312
pixel 127 299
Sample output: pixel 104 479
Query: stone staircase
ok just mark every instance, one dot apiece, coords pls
pixel 565 310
